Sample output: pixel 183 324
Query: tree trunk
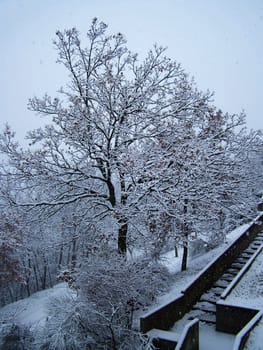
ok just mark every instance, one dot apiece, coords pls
pixel 185 230
pixel 28 277
pixel 35 274
pixel 175 251
pixel 60 259
pixel 44 277
pixel 122 236
pixel 185 254
pixel 74 249
pixel 123 220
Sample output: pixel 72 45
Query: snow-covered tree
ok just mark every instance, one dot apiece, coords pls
pixel 112 107
pixel 201 175
pixel 11 269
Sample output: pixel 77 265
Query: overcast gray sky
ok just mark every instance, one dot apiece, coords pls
pixel 219 42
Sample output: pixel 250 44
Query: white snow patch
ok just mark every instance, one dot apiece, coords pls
pixel 255 341
pixel 33 311
pixel 209 338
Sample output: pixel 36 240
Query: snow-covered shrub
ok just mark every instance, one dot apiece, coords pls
pixel 76 325
pixel 15 337
pixel 198 247
pixel 65 328
pixel 110 290
pixel 115 288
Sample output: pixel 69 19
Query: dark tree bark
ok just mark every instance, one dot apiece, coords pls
pixel 122 235
pixel 185 231
pixel 185 255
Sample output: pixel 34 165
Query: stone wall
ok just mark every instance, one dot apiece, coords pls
pixel 232 318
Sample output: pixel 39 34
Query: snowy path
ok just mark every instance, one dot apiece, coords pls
pixel 210 338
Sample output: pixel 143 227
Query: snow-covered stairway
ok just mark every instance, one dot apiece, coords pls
pixel 205 308
pixel 213 284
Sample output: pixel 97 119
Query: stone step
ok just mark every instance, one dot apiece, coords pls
pixel 163 339
pixel 237 265
pixel 251 249
pixel 205 306
pixel 221 283
pixel 232 271
pixel 209 297
pixel 228 277
pixel 206 317
pixel 246 255
pixel 242 260
pixel 216 290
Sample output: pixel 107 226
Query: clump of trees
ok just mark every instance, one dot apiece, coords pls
pixel 133 155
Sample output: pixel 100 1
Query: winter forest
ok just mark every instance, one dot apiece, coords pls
pixel 134 161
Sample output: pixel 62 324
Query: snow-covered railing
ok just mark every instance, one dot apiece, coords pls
pixel 163 339
pixel 241 273
pixel 242 336
pixel 189 339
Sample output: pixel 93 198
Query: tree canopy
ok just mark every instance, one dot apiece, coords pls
pixel 128 140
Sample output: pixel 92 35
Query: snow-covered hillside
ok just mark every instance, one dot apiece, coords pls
pixel 34 311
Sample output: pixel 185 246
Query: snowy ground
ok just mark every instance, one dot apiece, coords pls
pixel 255 341
pixel 33 311
pixel 210 339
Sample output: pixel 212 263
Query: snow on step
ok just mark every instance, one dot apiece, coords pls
pixel 207 317
pixel 216 290
pixel 161 334
pixel 205 306
pixel 237 265
pixel 250 251
pixel 242 260
pixel 233 271
pixel 210 297
pixel 163 339
pixel 257 242
pixel 228 277
pixel 247 255
pixel 221 283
